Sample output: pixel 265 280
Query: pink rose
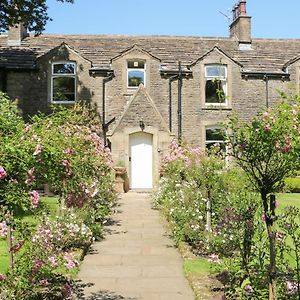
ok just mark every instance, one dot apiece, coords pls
pixel 3 173
pixel 265 114
pixel 3 228
pixel 30 176
pixel 34 197
pixel 38 149
pixel 65 163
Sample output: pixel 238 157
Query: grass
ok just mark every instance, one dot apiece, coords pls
pixel 3 256
pixel 199 265
pixel 288 199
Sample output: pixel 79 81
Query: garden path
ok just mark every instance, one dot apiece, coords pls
pixel 136 260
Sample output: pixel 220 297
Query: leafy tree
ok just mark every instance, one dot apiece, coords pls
pixel 32 13
pixel 267 149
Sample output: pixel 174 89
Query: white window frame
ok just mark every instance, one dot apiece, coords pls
pixel 223 79
pixel 135 69
pixel 53 75
pixel 214 127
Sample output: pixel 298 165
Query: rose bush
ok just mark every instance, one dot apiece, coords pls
pixel 65 151
pixel 267 149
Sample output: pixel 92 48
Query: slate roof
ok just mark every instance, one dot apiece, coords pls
pixel 267 55
pixel 17 58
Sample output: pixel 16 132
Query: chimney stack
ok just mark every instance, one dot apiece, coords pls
pixel 240 28
pixel 16 34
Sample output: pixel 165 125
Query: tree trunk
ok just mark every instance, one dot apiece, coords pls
pixel 247 242
pixel 270 223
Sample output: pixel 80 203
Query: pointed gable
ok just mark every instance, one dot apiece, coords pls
pixel 291 62
pixel 219 51
pixel 141 108
pixel 64 51
pixel 134 49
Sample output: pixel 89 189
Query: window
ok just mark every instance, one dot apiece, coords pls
pixel 135 73
pixel 215 136
pixel 63 82
pixel 215 85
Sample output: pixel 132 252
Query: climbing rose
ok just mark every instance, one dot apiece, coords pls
pixel 34 197
pixel 3 228
pixel 70 261
pixel 248 289
pixel 291 287
pixel 38 149
pixel 265 114
pixel 53 261
pixel 65 163
pixel 3 173
pixel 30 176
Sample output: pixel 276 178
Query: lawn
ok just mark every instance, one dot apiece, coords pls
pixel 289 199
pixel 49 204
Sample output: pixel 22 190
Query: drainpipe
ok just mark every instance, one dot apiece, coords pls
pixel 104 125
pixel 179 102
pixel 266 79
pixel 172 78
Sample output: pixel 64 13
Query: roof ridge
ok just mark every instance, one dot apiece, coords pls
pixel 85 36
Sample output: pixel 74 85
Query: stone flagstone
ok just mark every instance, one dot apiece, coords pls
pixel 137 260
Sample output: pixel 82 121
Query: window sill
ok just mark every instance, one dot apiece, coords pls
pixel 216 107
pixel 62 102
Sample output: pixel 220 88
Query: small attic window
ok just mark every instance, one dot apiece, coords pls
pixel 135 73
pixel 63 82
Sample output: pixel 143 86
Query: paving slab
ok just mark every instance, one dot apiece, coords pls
pixel 137 260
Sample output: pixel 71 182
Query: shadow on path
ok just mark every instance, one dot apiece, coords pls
pixel 79 287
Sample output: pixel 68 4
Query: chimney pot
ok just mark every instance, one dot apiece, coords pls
pixel 242 5
pixel 240 28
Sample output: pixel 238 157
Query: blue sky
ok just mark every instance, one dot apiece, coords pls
pixel 270 18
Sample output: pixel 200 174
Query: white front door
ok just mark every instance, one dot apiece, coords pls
pixel 141 154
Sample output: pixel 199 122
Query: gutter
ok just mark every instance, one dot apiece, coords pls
pixel 265 76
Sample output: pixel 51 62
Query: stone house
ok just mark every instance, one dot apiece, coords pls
pixel 151 89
